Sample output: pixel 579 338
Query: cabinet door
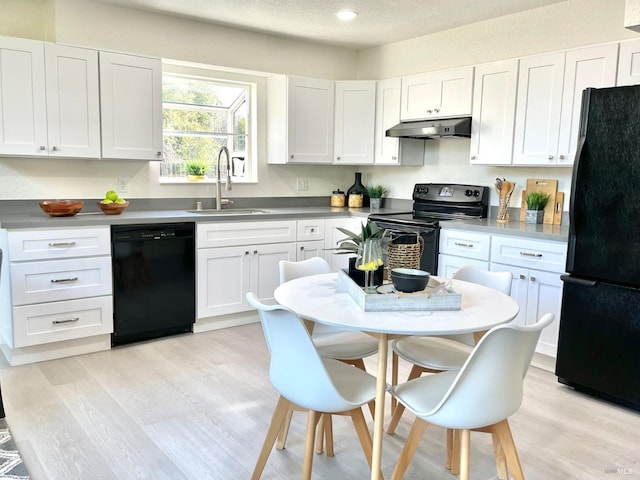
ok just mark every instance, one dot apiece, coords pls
pixel 519 288
pixel 355 109
pixel 456 93
pixel 545 296
pixel 265 271
pixel 310 249
pixel 494 110
pixel 223 280
pixel 310 120
pixel 73 108
pixel 629 63
pixel 131 106
pixel 23 116
pixel 420 96
pixel 387 116
pixel 538 109
pixel 449 264
pixel 586 67
pixel 334 236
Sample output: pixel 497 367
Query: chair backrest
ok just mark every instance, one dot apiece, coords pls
pixel 296 370
pixel 488 387
pixel 311 266
pixel 470 273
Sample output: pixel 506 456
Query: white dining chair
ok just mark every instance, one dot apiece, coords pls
pixel 480 396
pixel 448 352
pixel 344 345
pixel 308 381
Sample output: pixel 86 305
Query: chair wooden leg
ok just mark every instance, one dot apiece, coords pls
pixel 283 407
pixel 449 448
pixel 284 431
pixel 501 460
pixel 416 371
pixel 312 422
pixel 455 452
pixel 465 441
pixel 328 433
pixel 394 378
pixel 506 441
pixel 363 434
pixel 320 435
pixel 410 446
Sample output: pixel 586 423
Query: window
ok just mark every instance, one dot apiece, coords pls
pixel 200 116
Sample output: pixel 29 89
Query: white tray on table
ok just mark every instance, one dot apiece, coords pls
pixel 436 296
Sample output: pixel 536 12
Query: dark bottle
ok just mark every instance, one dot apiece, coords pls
pixel 358 189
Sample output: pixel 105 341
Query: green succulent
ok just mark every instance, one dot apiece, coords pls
pixel 537 200
pixel 196 167
pixel 370 230
pixel 377 191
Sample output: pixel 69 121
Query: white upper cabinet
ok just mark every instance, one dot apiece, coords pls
pixel 446 93
pixel 131 101
pixel 355 110
pixel 629 63
pixel 23 115
pixel 300 120
pixel 387 116
pixel 73 101
pixel 49 102
pixel 550 99
pixel 494 106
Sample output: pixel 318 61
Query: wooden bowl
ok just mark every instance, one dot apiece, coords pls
pixel 61 208
pixel 112 208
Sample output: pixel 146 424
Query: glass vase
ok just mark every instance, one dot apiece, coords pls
pixel 369 260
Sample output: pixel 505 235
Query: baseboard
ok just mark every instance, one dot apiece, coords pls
pixel 544 362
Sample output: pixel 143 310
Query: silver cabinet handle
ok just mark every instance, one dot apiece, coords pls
pixel 473 157
pixel 247 252
pixel 561 157
pixel 54 148
pixel 528 254
pixel 292 156
pixel 255 252
pixel 429 111
pixel 64 280
pixel 460 244
pixel 62 244
pixel 43 148
pixel 69 320
pixel 533 279
pixel 550 157
pixel 394 158
pixel 337 158
pixel 158 154
pixel 522 277
pixel 436 110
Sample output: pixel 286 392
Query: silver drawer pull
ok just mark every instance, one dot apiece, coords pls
pixel 460 244
pixel 528 254
pixel 69 320
pixel 62 244
pixel 65 280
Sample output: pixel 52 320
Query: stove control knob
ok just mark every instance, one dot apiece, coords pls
pixel 468 193
pixel 476 193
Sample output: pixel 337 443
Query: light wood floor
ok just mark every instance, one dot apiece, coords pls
pixel 197 407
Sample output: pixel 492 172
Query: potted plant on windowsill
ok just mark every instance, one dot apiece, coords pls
pixel 536 202
pixel 196 170
pixel 376 195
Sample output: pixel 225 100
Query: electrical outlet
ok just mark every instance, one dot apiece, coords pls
pixel 302 184
pixel 123 184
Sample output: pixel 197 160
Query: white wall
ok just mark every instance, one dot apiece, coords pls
pixel 563 25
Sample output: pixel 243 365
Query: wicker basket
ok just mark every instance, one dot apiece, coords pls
pixel 404 255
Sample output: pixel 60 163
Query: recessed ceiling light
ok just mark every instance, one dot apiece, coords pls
pixel 346 15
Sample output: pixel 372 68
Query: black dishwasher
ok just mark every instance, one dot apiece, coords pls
pixel 153 280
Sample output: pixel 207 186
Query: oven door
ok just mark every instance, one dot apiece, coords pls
pixel 407 234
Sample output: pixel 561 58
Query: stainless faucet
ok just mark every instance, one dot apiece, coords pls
pixel 219 199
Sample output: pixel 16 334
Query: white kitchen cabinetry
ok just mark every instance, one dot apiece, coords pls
pixel 446 93
pixel 334 236
pixel 494 106
pixel 131 106
pixel 61 290
pixel 536 266
pixel 240 257
pixel 550 99
pixel 49 102
pixel 300 120
pixel 355 111
pixel 310 239
pixel 462 247
pixel 629 63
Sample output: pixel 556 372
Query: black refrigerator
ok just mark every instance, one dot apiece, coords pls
pixel 599 340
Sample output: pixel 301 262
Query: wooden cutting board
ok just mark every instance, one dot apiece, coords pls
pixel 545 185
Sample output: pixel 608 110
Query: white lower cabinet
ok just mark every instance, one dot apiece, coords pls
pixel 336 260
pixel 448 265
pixel 309 249
pixel 536 267
pixel 462 247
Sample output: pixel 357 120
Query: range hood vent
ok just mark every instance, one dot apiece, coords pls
pixel 445 127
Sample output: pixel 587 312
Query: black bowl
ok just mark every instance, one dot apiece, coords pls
pixel 409 280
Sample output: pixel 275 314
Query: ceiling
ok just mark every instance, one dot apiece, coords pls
pixel 379 21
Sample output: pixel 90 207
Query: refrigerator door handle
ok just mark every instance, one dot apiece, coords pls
pixel 576 167
pixel 578 281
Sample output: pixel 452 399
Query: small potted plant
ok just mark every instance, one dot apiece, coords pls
pixel 196 169
pixel 536 201
pixel 376 194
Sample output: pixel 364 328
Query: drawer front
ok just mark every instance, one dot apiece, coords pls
pixel 41 244
pixel 465 244
pixel 524 252
pixel 55 280
pixel 58 321
pixel 244 233
pixel 310 230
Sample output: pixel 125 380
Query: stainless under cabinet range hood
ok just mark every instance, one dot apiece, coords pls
pixel 445 127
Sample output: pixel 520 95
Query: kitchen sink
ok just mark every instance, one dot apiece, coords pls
pixel 230 211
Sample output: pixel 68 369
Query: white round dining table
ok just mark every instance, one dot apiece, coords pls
pixel 319 298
